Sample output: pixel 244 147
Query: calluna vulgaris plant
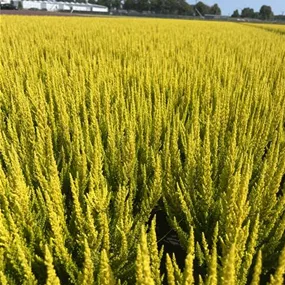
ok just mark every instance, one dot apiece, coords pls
pixel 104 121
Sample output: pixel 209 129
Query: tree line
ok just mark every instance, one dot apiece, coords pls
pixel 172 7
pixel 265 13
pixel 181 7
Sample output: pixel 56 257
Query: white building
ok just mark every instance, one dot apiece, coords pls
pixel 62 6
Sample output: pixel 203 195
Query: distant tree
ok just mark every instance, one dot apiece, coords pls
pixel 171 7
pixel 129 5
pixel 235 14
pixel 155 6
pixel 167 6
pixel 161 6
pixel 279 17
pixel 202 8
pixel 143 5
pixel 247 13
pixel 256 15
pixel 20 5
pixel 266 12
pixel 185 8
pixel 117 4
pixel 107 3
pixel 215 10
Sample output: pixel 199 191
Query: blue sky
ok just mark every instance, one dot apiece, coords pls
pixel 228 6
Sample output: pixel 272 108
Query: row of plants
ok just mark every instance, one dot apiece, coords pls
pixel 123 137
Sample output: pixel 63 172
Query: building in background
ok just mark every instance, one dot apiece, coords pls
pixel 58 6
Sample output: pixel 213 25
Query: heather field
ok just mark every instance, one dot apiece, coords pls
pixel 141 151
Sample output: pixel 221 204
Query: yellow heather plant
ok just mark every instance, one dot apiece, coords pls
pixel 141 151
pixel 143 267
pixel 51 274
pixel 257 270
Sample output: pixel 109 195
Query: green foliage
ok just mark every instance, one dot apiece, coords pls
pixel 235 14
pixel 247 13
pixel 266 12
pixel 20 5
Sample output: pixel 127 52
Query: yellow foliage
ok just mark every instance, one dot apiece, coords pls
pixel 104 122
